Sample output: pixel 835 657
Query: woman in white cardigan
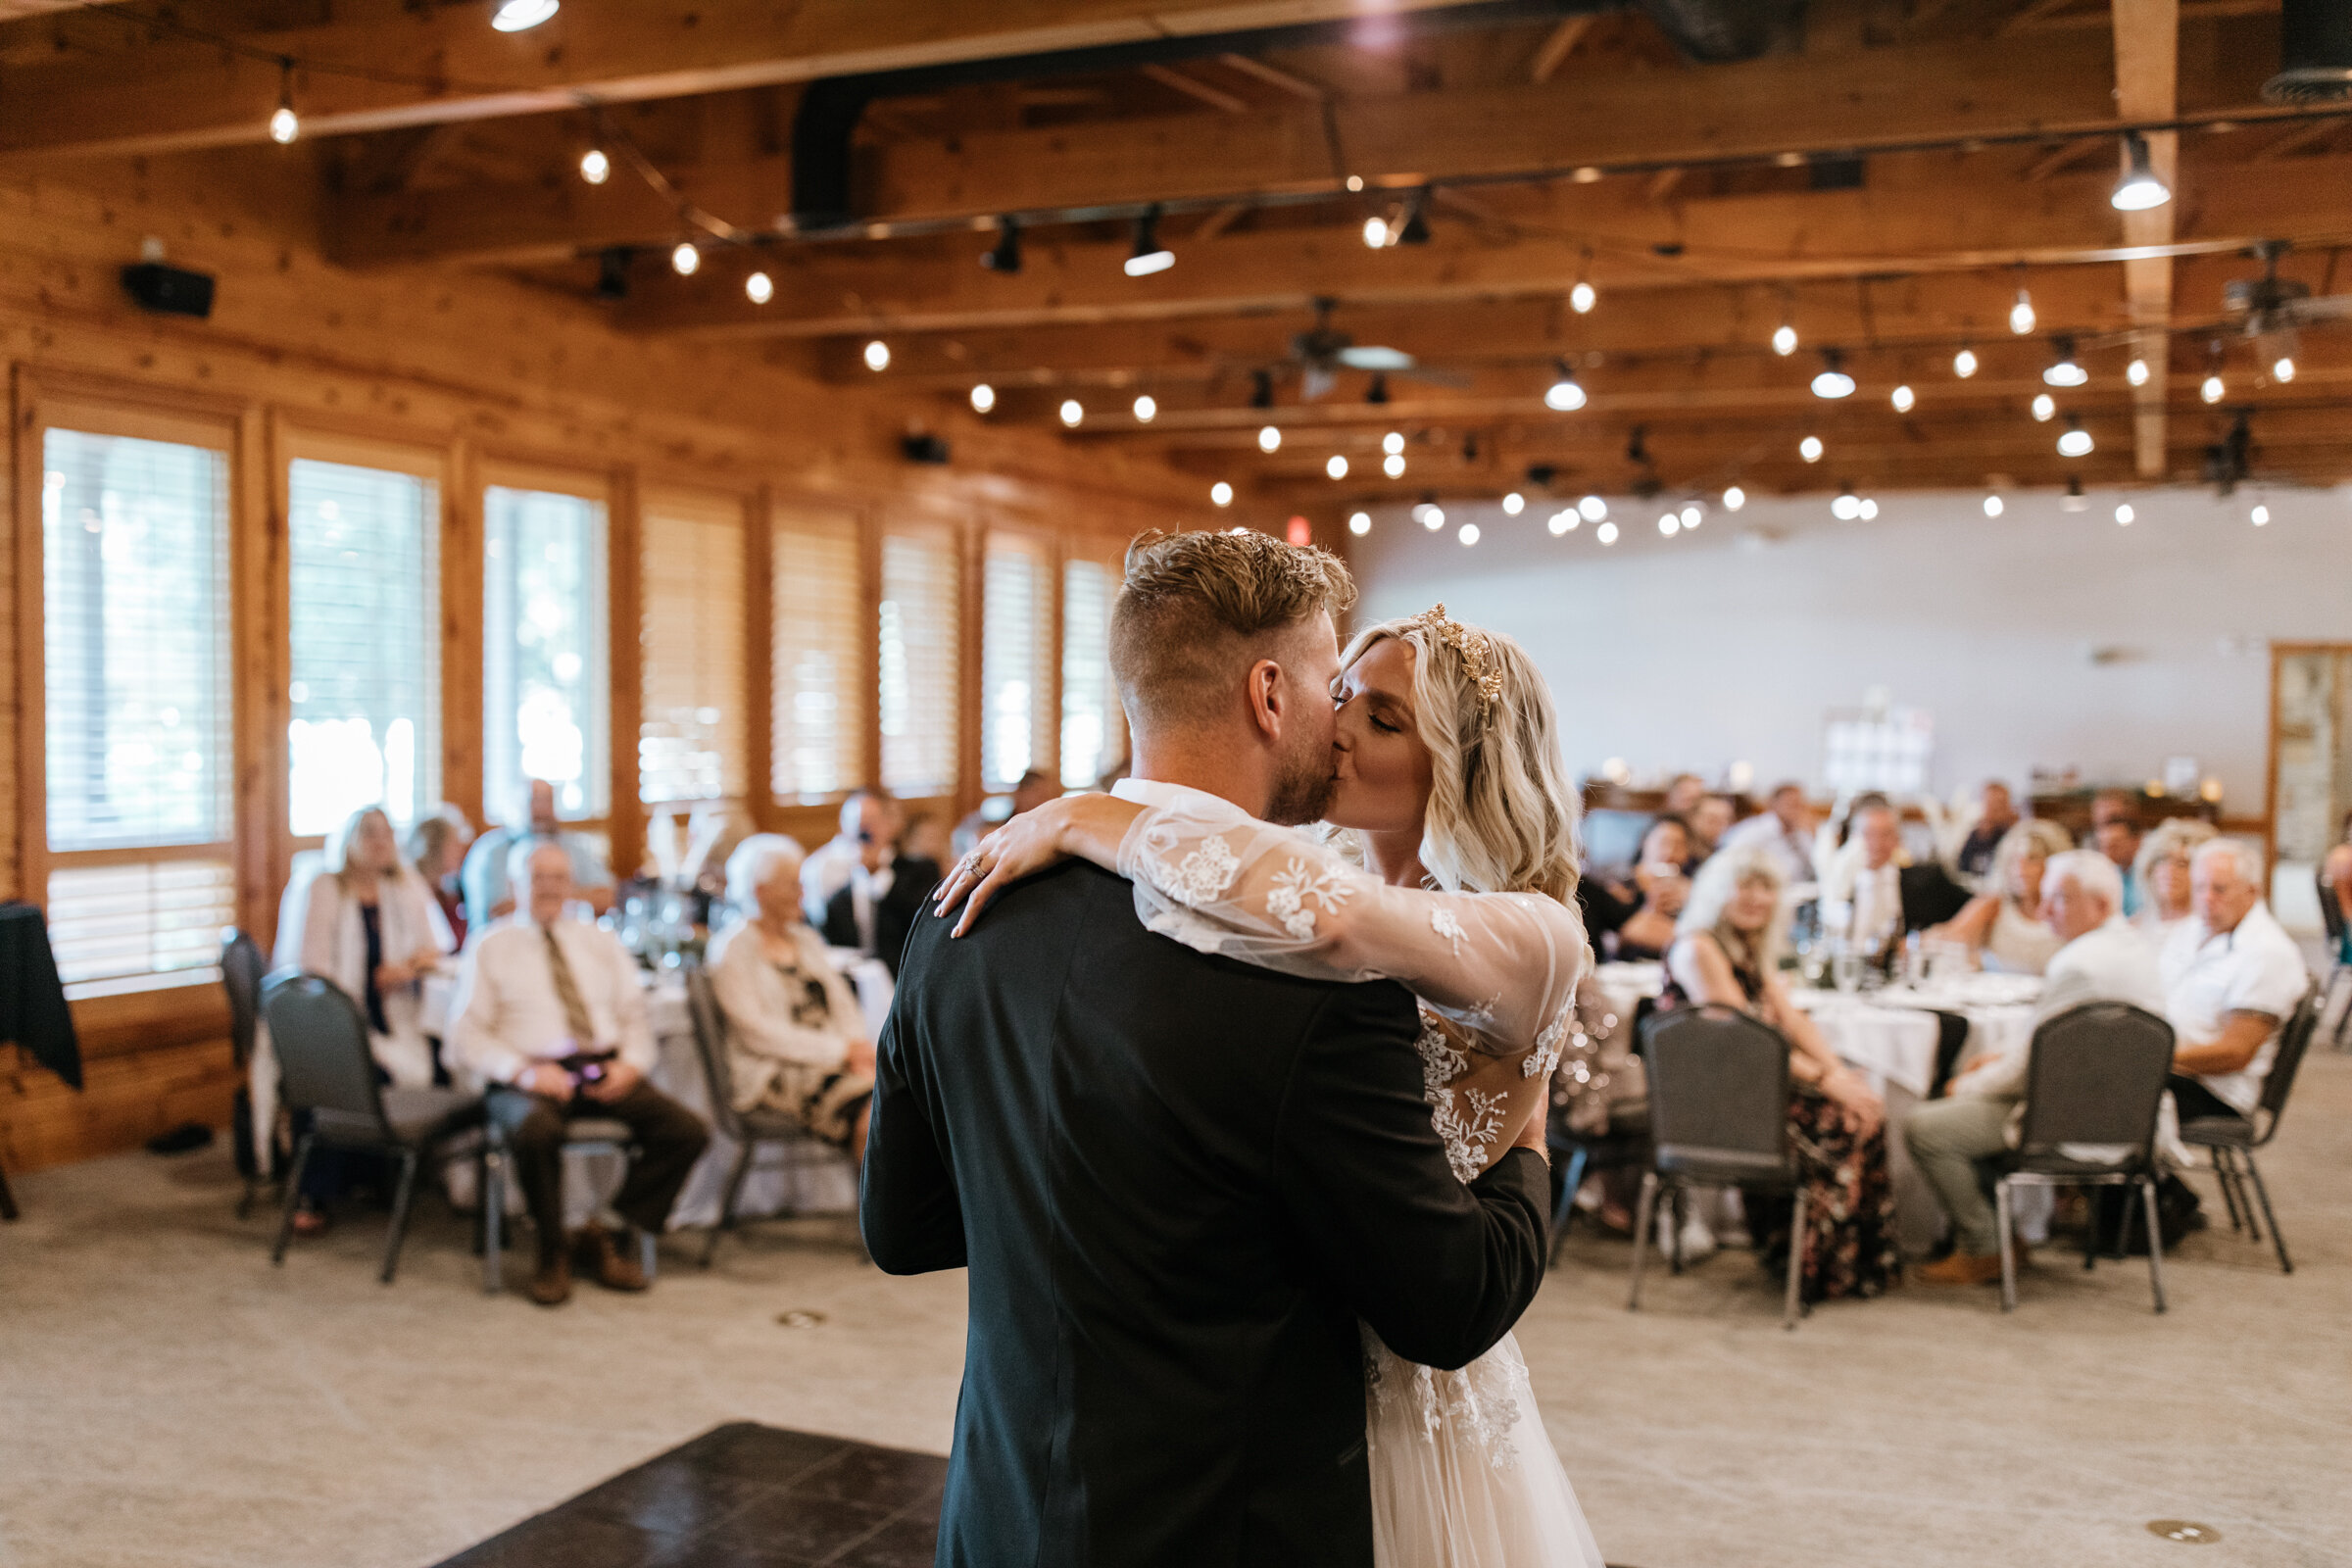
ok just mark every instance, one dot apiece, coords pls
pixel 370 925
pixel 796 1039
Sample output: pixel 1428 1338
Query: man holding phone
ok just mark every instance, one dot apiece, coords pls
pixel 549 1017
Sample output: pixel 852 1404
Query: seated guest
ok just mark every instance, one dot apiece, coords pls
pixel 1870 886
pixel 2162 872
pixel 1728 953
pixel 368 924
pixel 867 815
pixel 1684 791
pixel 2003 927
pixel 1035 788
pixel 436 853
pixel 2103 960
pixel 2115 831
pixel 489 894
pixel 795 1039
pixel 879 906
pixel 1996 814
pixel 1637 921
pixel 549 1017
pixel 2232 976
pixel 1710 819
pixel 1784 828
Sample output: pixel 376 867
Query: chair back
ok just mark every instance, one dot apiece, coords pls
pixel 323 1061
pixel 242 971
pixel 2095 1076
pixel 1718 1091
pixel 2294 1039
pixel 711 1043
pixel 2332 915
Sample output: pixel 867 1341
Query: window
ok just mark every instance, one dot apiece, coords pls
pixel 545 700
pixel 1017 659
pixel 1093 728
pixel 819 655
pixel 691 725
pixel 364 619
pixel 919 663
pixel 134 567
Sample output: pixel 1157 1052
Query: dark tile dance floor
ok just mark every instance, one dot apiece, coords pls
pixel 741 1496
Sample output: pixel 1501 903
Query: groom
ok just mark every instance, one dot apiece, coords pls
pixel 1178 1181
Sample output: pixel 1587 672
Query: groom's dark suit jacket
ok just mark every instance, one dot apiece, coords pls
pixel 1178 1181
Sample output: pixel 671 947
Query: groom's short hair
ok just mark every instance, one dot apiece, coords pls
pixel 1197 608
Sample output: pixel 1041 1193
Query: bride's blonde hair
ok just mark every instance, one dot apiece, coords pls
pixel 1502 816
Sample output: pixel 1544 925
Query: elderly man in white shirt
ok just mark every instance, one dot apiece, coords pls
pixel 549 1017
pixel 2232 976
pixel 2104 959
pixel 1785 829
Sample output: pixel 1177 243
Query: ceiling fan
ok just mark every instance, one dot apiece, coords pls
pixel 1322 352
pixel 2269 304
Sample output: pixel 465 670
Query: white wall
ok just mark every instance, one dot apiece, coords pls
pixel 1733 643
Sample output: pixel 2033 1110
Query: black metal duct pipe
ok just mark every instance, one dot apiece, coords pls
pixel 830 108
pixel 2316 49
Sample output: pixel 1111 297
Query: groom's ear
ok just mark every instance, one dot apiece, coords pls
pixel 1266 704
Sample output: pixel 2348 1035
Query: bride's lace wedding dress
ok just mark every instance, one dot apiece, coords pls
pixel 1463 1474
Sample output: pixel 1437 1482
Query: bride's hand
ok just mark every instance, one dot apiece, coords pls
pixel 1087 826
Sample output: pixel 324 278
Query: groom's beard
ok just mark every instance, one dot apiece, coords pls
pixel 1302 790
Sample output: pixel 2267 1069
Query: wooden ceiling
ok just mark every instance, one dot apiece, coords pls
pixel 1883 175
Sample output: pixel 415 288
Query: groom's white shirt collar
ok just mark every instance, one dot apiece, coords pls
pixel 1159 792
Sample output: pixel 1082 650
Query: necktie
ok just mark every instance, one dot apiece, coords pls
pixel 568 992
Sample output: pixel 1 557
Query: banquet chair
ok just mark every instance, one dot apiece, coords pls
pixel 241 970
pixel 2232 1139
pixel 1718 1118
pixel 2096 1075
pixel 2339 969
pixel 326 1069
pixel 751 1131
pixel 1622 1144
pixel 583 1136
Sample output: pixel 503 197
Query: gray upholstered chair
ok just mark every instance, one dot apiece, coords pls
pixel 749 1131
pixel 326 1068
pixel 242 971
pixel 2094 1078
pixel 1718 1118
pixel 2231 1140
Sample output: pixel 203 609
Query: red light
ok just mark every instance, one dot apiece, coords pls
pixel 1301 533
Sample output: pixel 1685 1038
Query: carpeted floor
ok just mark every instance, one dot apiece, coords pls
pixel 167 1398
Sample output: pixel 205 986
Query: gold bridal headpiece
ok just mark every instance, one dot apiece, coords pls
pixel 1474 646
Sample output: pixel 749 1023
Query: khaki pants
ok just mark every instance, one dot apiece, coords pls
pixel 1948 1138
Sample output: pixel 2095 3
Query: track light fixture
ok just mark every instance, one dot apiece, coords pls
pixel 1378 392
pixel 2074 500
pixel 1415 228
pixel 1833 381
pixel 2074 441
pixel 2065 370
pixel 2140 189
pixel 1006 255
pixel 1564 395
pixel 1149 256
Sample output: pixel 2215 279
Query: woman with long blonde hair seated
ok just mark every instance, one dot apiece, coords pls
pixel 2002 926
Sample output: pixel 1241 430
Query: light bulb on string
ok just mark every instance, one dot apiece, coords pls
pixel 595 166
pixel 1669 524
pixel 2046 408
pixel 1563 521
pixel 2021 314
pixel 2261 514
pixel 685 260
pixel 1734 499
pixel 1513 504
pixel 1359 523
pixel 1393 466
pixel 1582 299
pixel 984 398
pixel 1469 533
pixel 1868 509
pixel 1964 363
pixel 285 125
pixel 1336 466
pixel 1147 409
pixel 2212 390
pixel 1270 440
pixel 1592 509
pixel 2124 515
pixel 1993 506
pixel 1810 448
pixel 1375 233
pixel 759 288
pixel 1783 340
pixel 1073 411
pixel 877 356
pixel 1606 533
pixel 2137 372
pixel 1846 507
pixel 2282 369
pixel 1392 442
pixel 1432 517
pixel 1691 515
pixel 2140 189
pixel 1220 494
pixel 1903 397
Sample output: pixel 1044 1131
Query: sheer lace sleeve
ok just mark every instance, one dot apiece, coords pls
pixel 1500 967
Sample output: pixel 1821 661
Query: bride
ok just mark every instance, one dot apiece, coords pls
pixel 1452 872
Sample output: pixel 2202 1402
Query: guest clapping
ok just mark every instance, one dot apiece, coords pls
pixel 2003 927
pixel 796 1039
pixel 2162 872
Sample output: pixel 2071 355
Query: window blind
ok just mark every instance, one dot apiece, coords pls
pixel 691 736
pixel 818 655
pixel 1017 723
pixel 920 663
pixel 546 695
pixel 364 619
pixel 1093 728
pixel 135 682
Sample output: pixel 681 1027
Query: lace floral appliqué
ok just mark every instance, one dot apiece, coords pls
pixel 1547 1054
pixel 1299 888
pixel 1467 1123
pixel 1479 1404
pixel 1442 920
pixel 1201 877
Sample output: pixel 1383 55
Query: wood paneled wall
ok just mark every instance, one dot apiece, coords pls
pixel 487 371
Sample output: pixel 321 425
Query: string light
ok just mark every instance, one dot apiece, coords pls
pixel 1072 410
pixel 1993 506
pixel 1355 182
pixel 2212 390
pixel 1563 521
pixel 984 398
pixel 1868 510
pixel 1847 506
pixel 1592 509
pixel 1220 494
pixel 2124 515
pixel 1335 466
pixel 1359 523
pixel 1693 516
pixel 1582 299
pixel 2137 372
pixel 1149 256
pixel 1432 517
pixel 1902 398
pixel 1734 499
pixel 1376 232
pixel 2074 441
pixel 1270 440
pixel 1469 533
pixel 1670 525
pixel 520 16
pixel 2282 369
pixel 2021 314
pixel 1564 395
pixel 1809 449
pixel 2046 408
pixel 1392 442
pixel 1147 409
pixel 1964 363
pixel 759 288
pixel 2140 189
pixel 2261 514
pixel 1783 340
pixel 1833 381
pixel 595 166
pixel 2065 370
pixel 877 356
pixel 1606 533
pixel 283 126
pixel 685 260
pixel 1393 466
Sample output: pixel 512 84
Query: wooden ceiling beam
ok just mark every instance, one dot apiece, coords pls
pixel 936 285
pixel 119 89
pixel 2147 86
pixel 1867 98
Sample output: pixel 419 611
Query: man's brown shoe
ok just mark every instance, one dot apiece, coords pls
pixel 596 1254
pixel 551 1285
pixel 1963 1268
